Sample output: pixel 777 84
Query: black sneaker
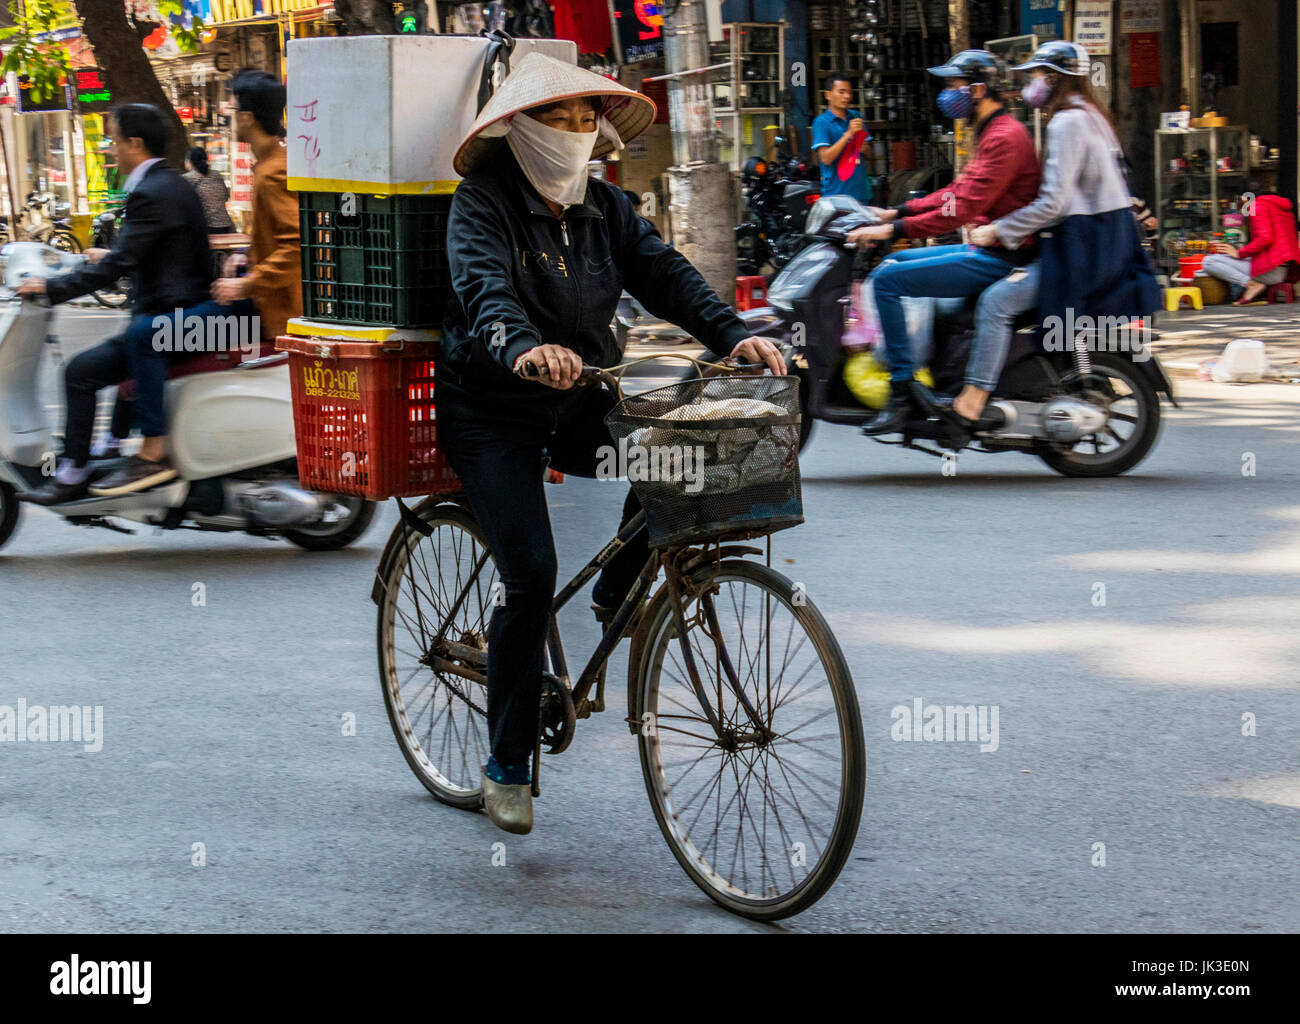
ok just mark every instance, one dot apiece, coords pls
pixel 902 408
pixel 137 475
pixel 605 616
pixel 54 493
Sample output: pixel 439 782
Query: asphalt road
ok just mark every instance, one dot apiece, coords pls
pixel 1119 724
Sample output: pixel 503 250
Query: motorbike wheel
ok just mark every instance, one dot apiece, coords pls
pixel 332 535
pixel 9 509
pixel 115 298
pixel 65 241
pixel 1130 399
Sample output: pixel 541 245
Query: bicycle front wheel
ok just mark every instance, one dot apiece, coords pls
pixel 756 778
pixel 435 597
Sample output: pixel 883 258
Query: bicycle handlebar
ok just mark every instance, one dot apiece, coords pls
pixel 612 378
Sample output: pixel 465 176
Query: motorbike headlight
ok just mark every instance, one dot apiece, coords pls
pixel 799 275
pixel 818 216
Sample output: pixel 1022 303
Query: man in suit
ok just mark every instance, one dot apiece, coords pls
pixel 163 247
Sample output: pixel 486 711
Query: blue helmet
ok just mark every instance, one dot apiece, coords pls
pixel 977 66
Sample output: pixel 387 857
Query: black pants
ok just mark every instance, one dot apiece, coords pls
pixel 498 454
pixel 100 367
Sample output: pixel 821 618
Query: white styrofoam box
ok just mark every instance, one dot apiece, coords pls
pixel 387 112
pixel 1242 360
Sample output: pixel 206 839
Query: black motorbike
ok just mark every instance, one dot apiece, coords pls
pixel 103 233
pixel 778 195
pixel 1091 410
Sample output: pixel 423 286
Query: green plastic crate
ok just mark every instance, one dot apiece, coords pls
pixel 384 262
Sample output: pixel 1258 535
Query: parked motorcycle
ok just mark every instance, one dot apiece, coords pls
pixel 1084 413
pixel 104 231
pixel 230 426
pixel 778 196
pixel 38 223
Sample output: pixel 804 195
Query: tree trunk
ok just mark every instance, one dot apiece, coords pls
pixel 958 26
pixel 126 67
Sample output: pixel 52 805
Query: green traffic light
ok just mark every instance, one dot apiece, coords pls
pixel 410 23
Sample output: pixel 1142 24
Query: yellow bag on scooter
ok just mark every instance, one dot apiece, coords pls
pixel 868 380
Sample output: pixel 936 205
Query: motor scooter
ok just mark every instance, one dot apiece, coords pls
pixel 230 424
pixel 1086 408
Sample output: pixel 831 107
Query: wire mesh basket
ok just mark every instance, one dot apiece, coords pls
pixel 712 458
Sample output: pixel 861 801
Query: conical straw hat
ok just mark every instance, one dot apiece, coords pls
pixel 537 80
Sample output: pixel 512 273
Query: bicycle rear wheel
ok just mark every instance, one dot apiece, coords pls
pixel 438 716
pixel 762 809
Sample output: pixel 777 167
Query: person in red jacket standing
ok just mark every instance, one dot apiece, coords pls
pixel 1262 261
pixel 1002 176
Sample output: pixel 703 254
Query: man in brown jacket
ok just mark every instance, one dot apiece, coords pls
pixel 274 277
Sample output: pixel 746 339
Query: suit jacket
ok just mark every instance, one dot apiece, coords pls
pixel 274 256
pixel 162 246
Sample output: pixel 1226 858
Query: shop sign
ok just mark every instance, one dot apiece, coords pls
pixel 27 105
pixel 1092 26
pixel 640 29
pixel 1141 16
pixel 241 176
pixel 1042 18
pixel 93 96
pixel 1144 60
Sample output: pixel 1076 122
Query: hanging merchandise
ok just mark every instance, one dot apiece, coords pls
pixel 586 22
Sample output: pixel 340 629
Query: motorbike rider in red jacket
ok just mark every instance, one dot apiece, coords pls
pixel 1003 176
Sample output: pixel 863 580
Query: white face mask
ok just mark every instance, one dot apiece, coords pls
pixel 553 160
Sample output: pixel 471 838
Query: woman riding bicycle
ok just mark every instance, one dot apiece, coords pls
pixel 539 255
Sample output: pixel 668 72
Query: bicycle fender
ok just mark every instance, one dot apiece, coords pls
pixel 410 520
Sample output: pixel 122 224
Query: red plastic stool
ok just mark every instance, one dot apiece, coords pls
pixel 1284 292
pixel 750 292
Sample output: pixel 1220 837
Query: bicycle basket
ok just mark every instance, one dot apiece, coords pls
pixel 712 458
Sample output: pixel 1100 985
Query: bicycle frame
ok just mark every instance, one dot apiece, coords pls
pixel 459 657
pixel 592 674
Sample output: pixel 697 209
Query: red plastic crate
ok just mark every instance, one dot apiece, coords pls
pixel 364 417
pixel 750 292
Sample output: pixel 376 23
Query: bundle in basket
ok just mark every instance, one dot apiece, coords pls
pixel 364 417
pixel 713 458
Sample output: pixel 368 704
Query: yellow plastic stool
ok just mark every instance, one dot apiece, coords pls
pixel 1174 298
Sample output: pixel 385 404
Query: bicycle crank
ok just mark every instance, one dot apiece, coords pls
pixel 558 719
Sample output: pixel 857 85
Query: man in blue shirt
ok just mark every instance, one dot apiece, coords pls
pixel 839 136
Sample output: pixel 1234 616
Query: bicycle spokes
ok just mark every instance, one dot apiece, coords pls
pixel 438 603
pixel 753 773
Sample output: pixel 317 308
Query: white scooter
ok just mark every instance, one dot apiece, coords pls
pixel 230 428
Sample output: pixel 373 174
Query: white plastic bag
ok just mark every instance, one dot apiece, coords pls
pixel 1243 360
pixel 864 331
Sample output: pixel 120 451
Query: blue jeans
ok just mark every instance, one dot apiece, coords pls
pixel 995 312
pixel 945 271
pixel 154 341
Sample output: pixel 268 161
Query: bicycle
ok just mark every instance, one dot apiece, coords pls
pixel 723 707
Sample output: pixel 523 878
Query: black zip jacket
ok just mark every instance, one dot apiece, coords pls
pixel 522 277
pixel 162 246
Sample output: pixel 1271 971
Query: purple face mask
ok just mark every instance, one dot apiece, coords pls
pixel 1037 92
